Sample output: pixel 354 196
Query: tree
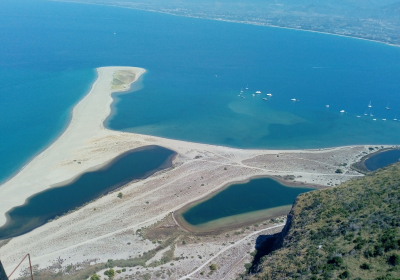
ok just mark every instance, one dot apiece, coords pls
pixel 120 195
pixel 338 171
pixel 213 266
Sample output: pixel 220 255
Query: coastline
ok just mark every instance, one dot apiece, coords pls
pixel 87 144
pixel 71 132
pixel 232 21
pixel 249 215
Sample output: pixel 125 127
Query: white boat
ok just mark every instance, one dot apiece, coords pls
pixel 369 105
pixel 383 119
pixel 247 87
pixel 294 99
pixel 265 99
pixel 371 115
pixel 258 92
pixel 387 107
pixel 269 94
pixel 341 111
pixel 243 97
pixel 365 114
pixel 254 94
pixel 395 118
pixel 241 91
pixel 374 119
pixel 358 116
pixel 327 106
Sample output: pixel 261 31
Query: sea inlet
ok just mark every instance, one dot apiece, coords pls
pixel 240 203
pixel 135 164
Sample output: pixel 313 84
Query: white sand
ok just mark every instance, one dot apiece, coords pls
pixel 199 170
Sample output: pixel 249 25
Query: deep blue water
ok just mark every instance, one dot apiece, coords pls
pixel 39 208
pixel 243 198
pixel 196 69
pixel 382 159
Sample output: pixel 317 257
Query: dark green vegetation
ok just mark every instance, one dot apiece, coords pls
pixel 38 209
pixel 243 198
pixel 347 232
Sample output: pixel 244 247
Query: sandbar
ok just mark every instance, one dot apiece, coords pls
pixel 90 233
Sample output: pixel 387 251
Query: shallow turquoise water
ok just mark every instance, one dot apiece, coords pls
pixel 257 194
pixel 39 208
pixel 196 69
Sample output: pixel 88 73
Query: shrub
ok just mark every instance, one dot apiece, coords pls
pixel 344 275
pixel 110 273
pixel 95 277
pixel 213 266
pixel 120 195
pixel 394 259
pixel 365 266
pixel 339 171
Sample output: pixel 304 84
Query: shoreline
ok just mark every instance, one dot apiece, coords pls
pixel 192 228
pixel 232 21
pixel 67 131
pixel 86 144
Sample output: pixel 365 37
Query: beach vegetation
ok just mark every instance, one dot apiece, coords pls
pixel 120 195
pixel 110 273
pixel 95 277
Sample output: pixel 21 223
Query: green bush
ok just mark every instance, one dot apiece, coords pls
pixel 365 266
pixel 95 277
pixel 120 195
pixel 213 266
pixel 394 259
pixel 110 273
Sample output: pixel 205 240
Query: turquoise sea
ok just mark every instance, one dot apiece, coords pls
pixel 196 69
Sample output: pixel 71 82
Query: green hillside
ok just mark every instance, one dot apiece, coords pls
pixel 348 232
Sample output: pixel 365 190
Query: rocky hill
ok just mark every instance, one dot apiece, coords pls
pixel 347 232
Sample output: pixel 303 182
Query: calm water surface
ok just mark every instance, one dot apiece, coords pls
pixel 382 159
pixel 38 209
pixel 196 69
pixel 257 194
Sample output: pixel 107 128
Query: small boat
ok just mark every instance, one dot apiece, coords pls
pixel 383 119
pixel 371 115
pixel 241 91
pixel 365 114
pixel 294 99
pixel 247 87
pixel 265 99
pixel 374 119
pixel 243 97
pixel 258 92
pixel 387 107
pixel 369 105
pixel 327 106
pixel 254 94
pixel 395 118
pixel 239 95
pixel 269 94
pixel 341 111
pixel 358 116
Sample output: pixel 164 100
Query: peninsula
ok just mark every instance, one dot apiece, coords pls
pixel 137 229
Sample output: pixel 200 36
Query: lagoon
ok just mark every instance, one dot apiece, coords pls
pixel 241 203
pixel 38 209
pixel 382 159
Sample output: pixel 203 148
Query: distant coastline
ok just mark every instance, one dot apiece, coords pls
pixel 232 21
